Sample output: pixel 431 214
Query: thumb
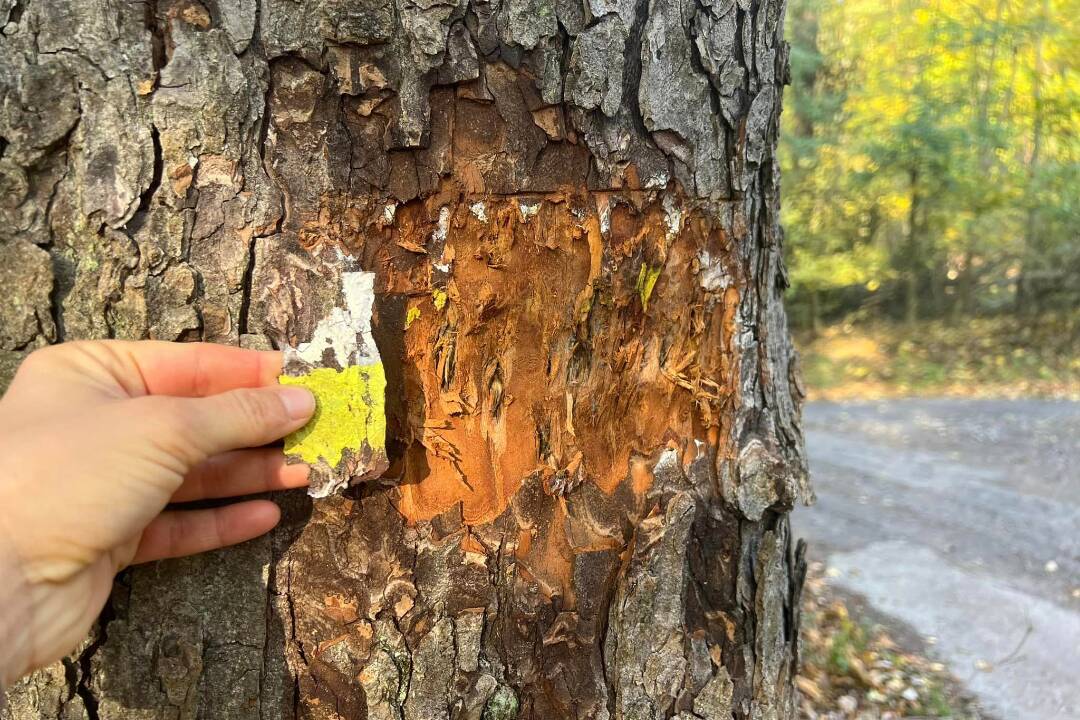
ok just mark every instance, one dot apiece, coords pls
pixel 242 418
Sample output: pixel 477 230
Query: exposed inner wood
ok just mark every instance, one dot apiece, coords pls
pixel 541 361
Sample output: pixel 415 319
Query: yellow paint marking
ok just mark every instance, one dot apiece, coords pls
pixel 646 281
pixel 350 412
pixel 439 298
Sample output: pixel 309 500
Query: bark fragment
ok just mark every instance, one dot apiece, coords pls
pixel 345 441
pixel 25 317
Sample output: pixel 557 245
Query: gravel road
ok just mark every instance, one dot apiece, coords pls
pixel 961 520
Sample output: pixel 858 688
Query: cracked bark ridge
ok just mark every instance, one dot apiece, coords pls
pixel 570 213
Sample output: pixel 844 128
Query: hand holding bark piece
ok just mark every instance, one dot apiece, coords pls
pixel 96 439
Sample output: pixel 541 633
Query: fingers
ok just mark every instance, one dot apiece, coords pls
pixel 243 472
pixel 194 429
pixel 199 369
pixel 186 532
pixel 150 367
pixel 85 372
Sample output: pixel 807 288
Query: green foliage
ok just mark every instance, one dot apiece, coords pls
pixel 848 641
pixel 933 143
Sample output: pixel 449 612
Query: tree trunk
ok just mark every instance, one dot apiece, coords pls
pixel 1026 303
pixel 913 251
pixel 815 312
pixel 964 304
pixel 592 405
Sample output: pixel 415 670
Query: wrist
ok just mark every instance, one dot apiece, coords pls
pixel 16 643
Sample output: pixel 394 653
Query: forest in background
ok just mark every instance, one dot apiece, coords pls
pixel 931 166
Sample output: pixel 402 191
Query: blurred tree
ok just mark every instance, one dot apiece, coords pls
pixel 930 152
pixel 828 238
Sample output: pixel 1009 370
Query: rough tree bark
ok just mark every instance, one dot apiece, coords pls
pixel 571 207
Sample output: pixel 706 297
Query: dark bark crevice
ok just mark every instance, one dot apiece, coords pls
pixel 138 219
pixel 85 661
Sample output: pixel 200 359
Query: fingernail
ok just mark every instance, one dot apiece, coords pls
pixel 298 401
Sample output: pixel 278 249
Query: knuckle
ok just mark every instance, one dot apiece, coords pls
pixel 42 358
pixel 170 423
pixel 178 532
pixel 165 431
pixel 163 408
pixel 258 410
pixel 75 353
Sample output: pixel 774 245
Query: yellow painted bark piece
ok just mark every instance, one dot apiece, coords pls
pixel 350 412
pixel 411 316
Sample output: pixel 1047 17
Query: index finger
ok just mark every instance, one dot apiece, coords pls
pixel 197 369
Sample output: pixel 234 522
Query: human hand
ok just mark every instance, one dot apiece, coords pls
pixel 96 438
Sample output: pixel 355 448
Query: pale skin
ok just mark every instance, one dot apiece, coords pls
pixel 96 440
